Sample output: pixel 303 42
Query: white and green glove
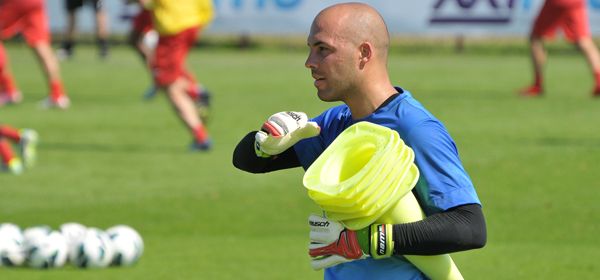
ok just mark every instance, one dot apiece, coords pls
pixel 332 244
pixel 281 131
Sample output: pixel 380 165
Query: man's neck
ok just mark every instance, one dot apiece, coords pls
pixel 366 102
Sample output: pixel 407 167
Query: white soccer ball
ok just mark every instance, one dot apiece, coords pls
pixel 12 252
pixel 45 248
pixel 35 232
pixel 128 243
pixel 94 250
pixel 74 233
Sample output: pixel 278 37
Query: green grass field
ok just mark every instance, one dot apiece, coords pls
pixel 115 159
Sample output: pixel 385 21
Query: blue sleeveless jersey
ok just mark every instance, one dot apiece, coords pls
pixel 443 182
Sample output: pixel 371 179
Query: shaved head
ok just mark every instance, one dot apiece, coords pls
pixel 348 57
pixel 355 23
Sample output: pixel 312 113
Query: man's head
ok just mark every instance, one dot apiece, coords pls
pixel 348 46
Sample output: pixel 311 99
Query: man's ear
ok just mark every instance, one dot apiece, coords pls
pixel 366 53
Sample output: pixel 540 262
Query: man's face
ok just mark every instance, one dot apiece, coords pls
pixel 331 62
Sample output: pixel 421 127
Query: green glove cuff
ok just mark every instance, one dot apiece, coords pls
pixel 376 240
pixel 363 237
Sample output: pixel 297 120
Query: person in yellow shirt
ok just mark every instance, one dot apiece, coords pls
pixel 178 24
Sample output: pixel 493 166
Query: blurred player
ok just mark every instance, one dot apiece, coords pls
pixel 178 24
pixel 26 139
pixel 68 46
pixel 28 17
pixel 570 16
pixel 144 38
pixel 348 54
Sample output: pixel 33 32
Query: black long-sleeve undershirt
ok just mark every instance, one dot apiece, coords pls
pixel 244 158
pixel 456 229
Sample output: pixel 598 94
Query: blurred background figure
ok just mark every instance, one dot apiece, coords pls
pixel 571 16
pixel 28 17
pixel 26 139
pixel 67 49
pixel 142 37
pixel 178 24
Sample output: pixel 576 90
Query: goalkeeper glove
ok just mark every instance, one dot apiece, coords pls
pixel 281 131
pixel 332 244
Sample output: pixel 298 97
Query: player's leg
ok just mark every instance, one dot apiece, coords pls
pixel 37 35
pixel 101 28
pixel 545 26
pixel 10 24
pixel 196 90
pixel 57 96
pixel 168 68
pixel 538 59
pixel 144 39
pixel 589 49
pixel 577 30
pixel 68 45
pixel 9 94
pixel 26 139
pixel 10 161
pixel 199 94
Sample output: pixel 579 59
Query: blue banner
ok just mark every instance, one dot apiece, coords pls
pixel 293 17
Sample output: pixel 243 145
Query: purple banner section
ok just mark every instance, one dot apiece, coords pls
pixel 472 11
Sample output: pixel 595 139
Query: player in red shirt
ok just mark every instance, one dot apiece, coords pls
pixel 570 16
pixel 28 17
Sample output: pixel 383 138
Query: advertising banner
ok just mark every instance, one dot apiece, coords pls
pixel 404 17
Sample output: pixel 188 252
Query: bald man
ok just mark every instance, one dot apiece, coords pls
pixel 348 60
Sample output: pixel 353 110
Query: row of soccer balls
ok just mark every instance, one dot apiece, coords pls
pixel 43 247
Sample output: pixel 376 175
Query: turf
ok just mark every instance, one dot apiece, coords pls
pixel 115 159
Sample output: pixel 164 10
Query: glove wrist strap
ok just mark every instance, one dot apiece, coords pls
pixel 381 241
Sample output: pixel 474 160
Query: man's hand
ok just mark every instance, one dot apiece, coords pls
pixel 281 131
pixel 332 244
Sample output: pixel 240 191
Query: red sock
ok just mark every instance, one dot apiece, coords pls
pixel 7 83
pixel 56 89
pixel 10 133
pixel 5 151
pixel 538 80
pixel 200 134
pixel 597 78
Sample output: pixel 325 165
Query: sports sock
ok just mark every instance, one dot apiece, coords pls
pixel 200 134
pixel 7 83
pixel 56 89
pixel 5 152
pixel 538 80
pixel 10 133
pixel 597 78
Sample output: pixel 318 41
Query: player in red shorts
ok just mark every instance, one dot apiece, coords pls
pixel 28 17
pixel 178 24
pixel 144 38
pixel 571 17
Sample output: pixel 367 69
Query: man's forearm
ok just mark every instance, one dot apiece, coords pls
pixel 457 229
